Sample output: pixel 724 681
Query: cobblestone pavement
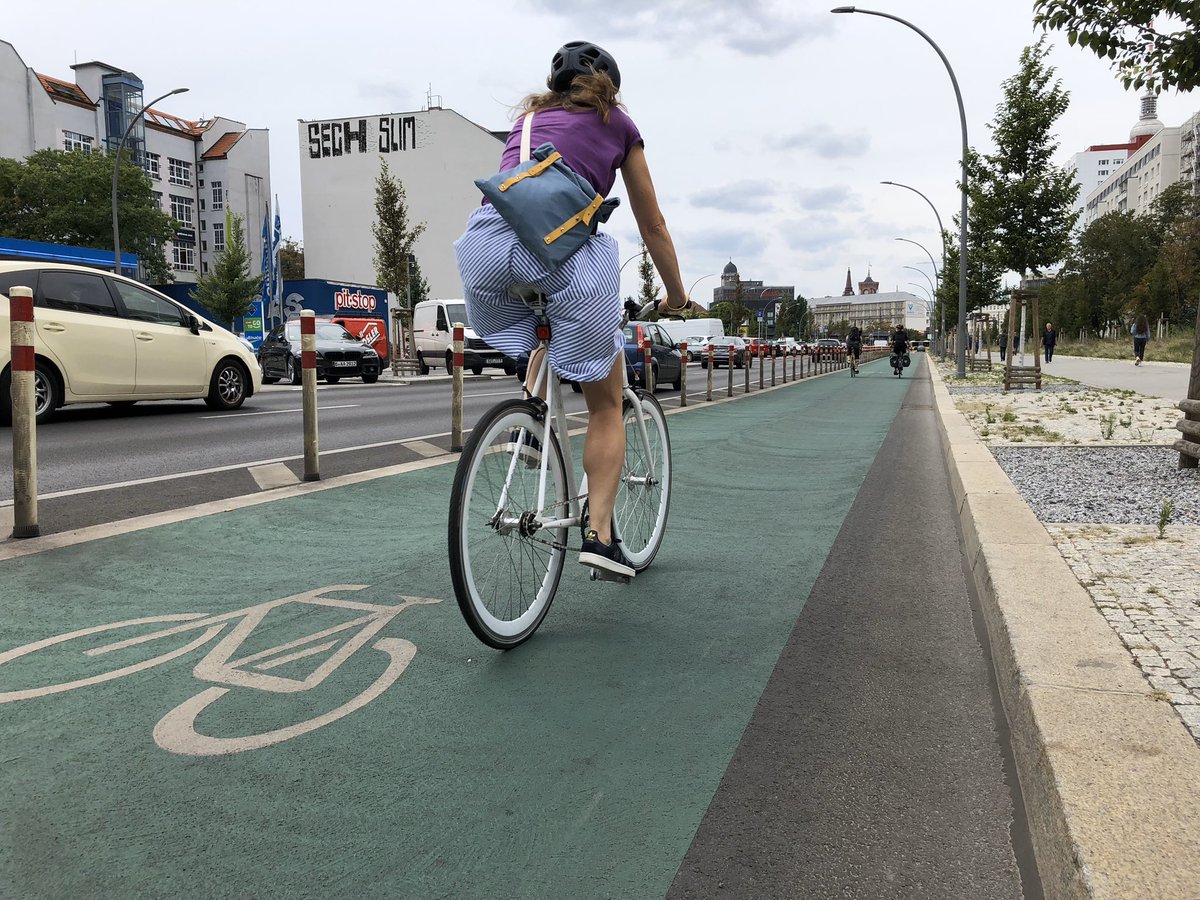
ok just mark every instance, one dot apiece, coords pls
pixel 1146 587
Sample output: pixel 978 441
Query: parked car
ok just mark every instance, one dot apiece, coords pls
pixel 788 346
pixel 432 324
pixel 666 362
pixel 104 338
pixel 723 347
pixel 339 355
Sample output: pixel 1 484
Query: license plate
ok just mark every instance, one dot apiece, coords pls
pixel 344 363
pixel 493 361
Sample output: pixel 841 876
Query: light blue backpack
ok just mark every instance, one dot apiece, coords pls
pixel 552 209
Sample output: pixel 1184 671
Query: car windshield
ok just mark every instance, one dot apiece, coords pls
pixel 326 331
pixel 457 312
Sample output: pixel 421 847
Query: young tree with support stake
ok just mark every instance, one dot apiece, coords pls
pixel 228 291
pixel 395 266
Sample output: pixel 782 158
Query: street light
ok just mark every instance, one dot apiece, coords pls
pixel 116 168
pixel 936 215
pixel 961 349
pixel 928 303
pixel 696 282
pixel 931 262
pixel 932 288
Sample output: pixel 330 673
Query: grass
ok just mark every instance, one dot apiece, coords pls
pixel 1177 348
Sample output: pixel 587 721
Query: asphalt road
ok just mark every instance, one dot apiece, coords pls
pixel 99 463
pixel 1155 379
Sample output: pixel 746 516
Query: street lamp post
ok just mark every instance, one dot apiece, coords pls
pixel 960 350
pixel 932 287
pixel 931 262
pixel 116 169
pixel 941 240
pixel 696 282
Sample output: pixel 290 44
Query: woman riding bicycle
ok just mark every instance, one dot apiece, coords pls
pixel 581 115
pixel 854 342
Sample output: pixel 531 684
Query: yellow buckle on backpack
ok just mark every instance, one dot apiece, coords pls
pixel 532 171
pixel 584 216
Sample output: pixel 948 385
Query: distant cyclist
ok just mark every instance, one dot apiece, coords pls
pixel 581 115
pixel 899 348
pixel 854 342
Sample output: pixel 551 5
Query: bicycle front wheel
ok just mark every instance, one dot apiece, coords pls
pixel 644 494
pixel 504 567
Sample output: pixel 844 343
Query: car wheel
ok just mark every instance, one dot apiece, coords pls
pixel 678 382
pixel 227 390
pixel 449 362
pixel 266 379
pixel 332 380
pixel 477 370
pixel 510 367
pixel 292 372
pixel 421 367
pixel 47 395
pixel 370 379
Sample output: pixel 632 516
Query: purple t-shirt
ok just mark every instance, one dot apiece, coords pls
pixel 591 148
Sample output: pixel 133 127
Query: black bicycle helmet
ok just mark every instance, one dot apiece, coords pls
pixel 581 58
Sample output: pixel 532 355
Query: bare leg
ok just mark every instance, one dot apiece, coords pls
pixel 604 447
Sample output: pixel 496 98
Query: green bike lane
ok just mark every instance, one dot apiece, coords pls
pixel 266 752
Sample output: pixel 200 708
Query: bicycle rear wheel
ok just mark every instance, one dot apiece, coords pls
pixel 644 494
pixel 505 570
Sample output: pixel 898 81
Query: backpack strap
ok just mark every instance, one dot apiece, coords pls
pixel 526 131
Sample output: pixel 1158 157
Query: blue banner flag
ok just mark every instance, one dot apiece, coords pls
pixel 266 262
pixel 276 270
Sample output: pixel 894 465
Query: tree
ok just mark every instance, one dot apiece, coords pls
pixel 793 316
pixel 1128 33
pixel 1021 202
pixel 291 259
pixel 394 236
pixel 418 287
pixel 66 198
pixel 647 289
pixel 983 275
pixel 229 290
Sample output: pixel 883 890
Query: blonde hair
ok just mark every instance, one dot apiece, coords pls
pixel 594 91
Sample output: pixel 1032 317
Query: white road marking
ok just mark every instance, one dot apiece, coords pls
pixel 424 448
pixel 276 412
pixel 274 475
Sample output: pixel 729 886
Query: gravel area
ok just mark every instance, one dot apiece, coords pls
pixel 1053 386
pixel 1110 485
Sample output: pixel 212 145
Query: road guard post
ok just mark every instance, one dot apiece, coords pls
pixel 24 413
pixel 647 369
pixel 762 364
pixel 729 374
pixel 456 392
pixel 308 365
pixel 683 361
pixel 748 359
pixel 708 390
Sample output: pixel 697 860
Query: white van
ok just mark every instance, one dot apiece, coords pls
pixel 691 330
pixel 432 324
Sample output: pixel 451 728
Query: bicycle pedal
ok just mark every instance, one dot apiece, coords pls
pixel 602 575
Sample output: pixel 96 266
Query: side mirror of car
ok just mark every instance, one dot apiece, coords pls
pixel 194 324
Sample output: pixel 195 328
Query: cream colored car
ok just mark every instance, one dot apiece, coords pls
pixel 103 338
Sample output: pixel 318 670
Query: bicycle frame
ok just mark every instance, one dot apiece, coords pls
pixel 555 417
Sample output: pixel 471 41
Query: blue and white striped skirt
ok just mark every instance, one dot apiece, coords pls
pixel 583 297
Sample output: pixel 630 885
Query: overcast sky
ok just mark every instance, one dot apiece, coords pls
pixel 768 125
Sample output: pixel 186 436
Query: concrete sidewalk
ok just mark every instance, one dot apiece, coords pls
pixel 1155 379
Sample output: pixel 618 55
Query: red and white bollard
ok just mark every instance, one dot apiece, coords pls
pixel 683 361
pixel 308 390
pixel 761 365
pixel 24 413
pixel 647 369
pixel 456 391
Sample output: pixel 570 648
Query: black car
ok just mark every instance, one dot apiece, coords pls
pixel 339 355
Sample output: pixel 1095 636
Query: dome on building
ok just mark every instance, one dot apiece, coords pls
pixel 1148 123
pixel 730 269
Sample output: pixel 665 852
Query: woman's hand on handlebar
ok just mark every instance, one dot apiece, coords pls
pixel 670 306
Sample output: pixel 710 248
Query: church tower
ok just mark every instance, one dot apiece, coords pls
pixel 849 291
pixel 869 286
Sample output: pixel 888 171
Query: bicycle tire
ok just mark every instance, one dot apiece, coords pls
pixel 642 506
pixel 505 580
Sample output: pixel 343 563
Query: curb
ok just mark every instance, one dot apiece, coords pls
pixel 1107 771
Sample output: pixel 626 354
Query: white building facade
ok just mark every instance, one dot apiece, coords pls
pixel 199 169
pixel 1092 167
pixel 865 310
pixel 436 154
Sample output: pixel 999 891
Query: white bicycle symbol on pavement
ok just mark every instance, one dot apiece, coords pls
pixel 176 731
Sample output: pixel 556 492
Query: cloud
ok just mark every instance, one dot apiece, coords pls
pixel 816 234
pixel 823 141
pixel 728 243
pixel 830 196
pixel 761 28
pixel 392 96
pixel 739 197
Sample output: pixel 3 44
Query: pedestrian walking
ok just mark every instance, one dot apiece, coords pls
pixel 1049 339
pixel 1003 341
pixel 1141 334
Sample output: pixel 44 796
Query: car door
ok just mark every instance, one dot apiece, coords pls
pixel 664 351
pixel 170 358
pixel 270 354
pixel 78 321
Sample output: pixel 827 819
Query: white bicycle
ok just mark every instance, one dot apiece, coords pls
pixel 512 507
